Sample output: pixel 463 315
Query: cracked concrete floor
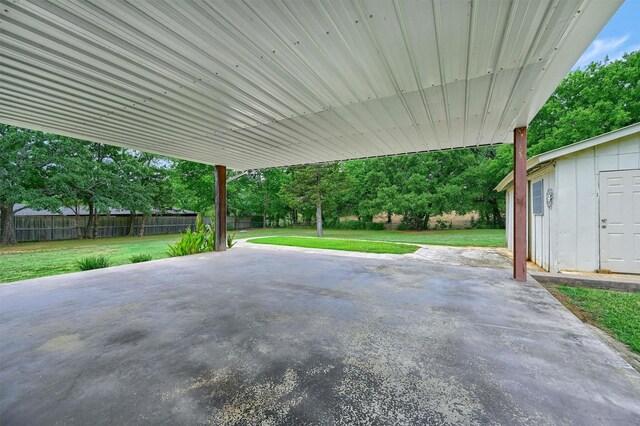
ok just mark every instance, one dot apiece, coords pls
pixel 262 336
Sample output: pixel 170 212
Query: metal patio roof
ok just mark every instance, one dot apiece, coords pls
pixel 254 84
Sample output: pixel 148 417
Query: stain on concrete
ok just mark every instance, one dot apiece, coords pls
pixel 127 337
pixel 465 256
pixel 350 391
pixel 235 401
pixel 129 308
pixel 64 343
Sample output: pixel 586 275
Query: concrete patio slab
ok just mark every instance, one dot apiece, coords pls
pixel 260 336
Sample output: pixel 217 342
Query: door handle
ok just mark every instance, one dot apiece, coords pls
pixel 603 220
pixel 604 226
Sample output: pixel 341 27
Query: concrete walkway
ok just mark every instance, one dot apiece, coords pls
pixel 592 280
pixel 264 336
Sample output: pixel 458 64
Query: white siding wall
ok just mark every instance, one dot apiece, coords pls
pixel 567 236
pixel 540 229
pixel 578 232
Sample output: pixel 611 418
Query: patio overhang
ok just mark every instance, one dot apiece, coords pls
pixel 263 84
pixel 251 85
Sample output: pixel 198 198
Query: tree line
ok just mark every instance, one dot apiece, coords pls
pixel 46 171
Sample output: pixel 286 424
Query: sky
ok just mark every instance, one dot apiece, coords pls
pixel 620 35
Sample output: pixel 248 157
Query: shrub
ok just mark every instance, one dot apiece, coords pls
pixel 230 240
pixel 414 222
pixel 441 224
pixel 192 242
pixel 201 240
pixel 137 258
pixel 92 262
pixel 485 224
pixel 357 225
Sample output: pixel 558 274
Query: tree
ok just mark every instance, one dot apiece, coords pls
pixel 362 198
pixel 87 175
pixel 194 186
pixel 144 186
pixel 26 159
pixel 424 186
pixel 603 97
pixel 317 185
pixel 239 196
pixel 266 197
pixel 477 182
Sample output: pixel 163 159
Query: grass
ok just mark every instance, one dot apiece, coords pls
pixel 453 237
pixel 616 311
pixel 32 260
pixel 333 244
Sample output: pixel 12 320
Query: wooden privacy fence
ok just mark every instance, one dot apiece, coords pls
pixel 49 228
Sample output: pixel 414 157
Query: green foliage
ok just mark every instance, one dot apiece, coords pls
pixel 137 258
pixel 200 240
pixel 616 311
pixel 92 262
pixel 191 242
pixel 193 184
pixel 441 224
pixel 354 225
pixel 262 195
pixel 27 163
pixel 317 188
pixel 602 97
pixel 231 240
pixel 144 184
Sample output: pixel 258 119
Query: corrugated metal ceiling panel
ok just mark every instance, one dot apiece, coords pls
pixel 271 83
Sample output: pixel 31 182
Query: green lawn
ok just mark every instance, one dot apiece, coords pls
pixel 334 244
pixel 32 260
pixel 453 237
pixel 616 311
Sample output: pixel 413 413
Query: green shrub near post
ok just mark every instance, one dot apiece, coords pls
pixel 201 240
pixel 231 240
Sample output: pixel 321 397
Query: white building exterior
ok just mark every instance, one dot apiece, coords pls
pixel 583 205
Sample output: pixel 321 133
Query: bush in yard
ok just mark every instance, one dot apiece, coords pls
pixel 357 225
pixel 201 240
pixel 441 224
pixel 137 258
pixel 230 240
pixel 92 262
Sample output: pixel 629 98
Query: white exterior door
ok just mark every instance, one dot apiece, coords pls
pixel 620 221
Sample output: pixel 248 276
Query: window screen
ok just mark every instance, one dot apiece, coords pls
pixel 537 197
